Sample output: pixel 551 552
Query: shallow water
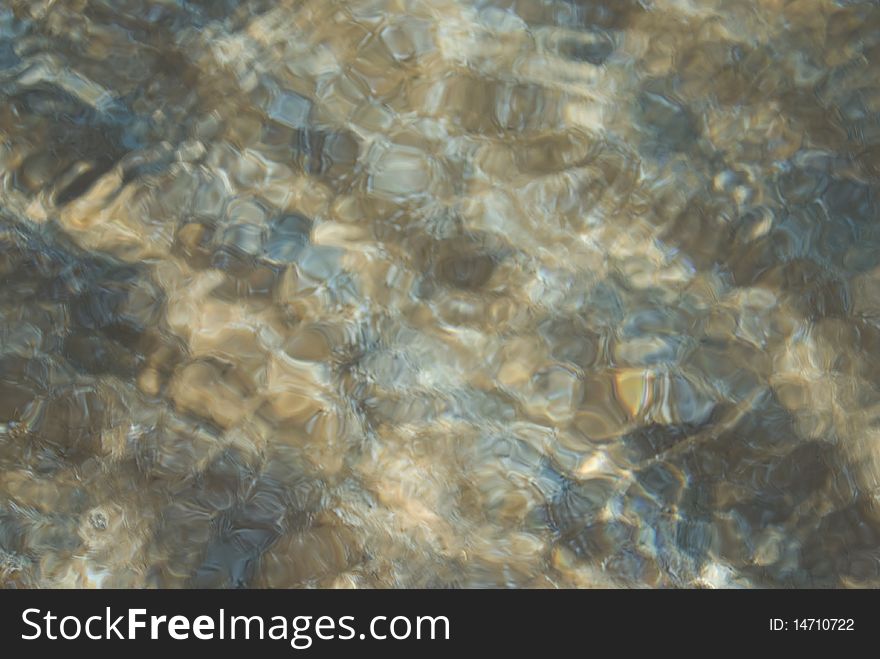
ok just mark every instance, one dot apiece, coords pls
pixel 399 293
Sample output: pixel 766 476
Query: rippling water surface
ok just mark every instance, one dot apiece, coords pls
pixel 406 293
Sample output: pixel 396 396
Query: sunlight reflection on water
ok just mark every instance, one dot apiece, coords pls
pixel 526 293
